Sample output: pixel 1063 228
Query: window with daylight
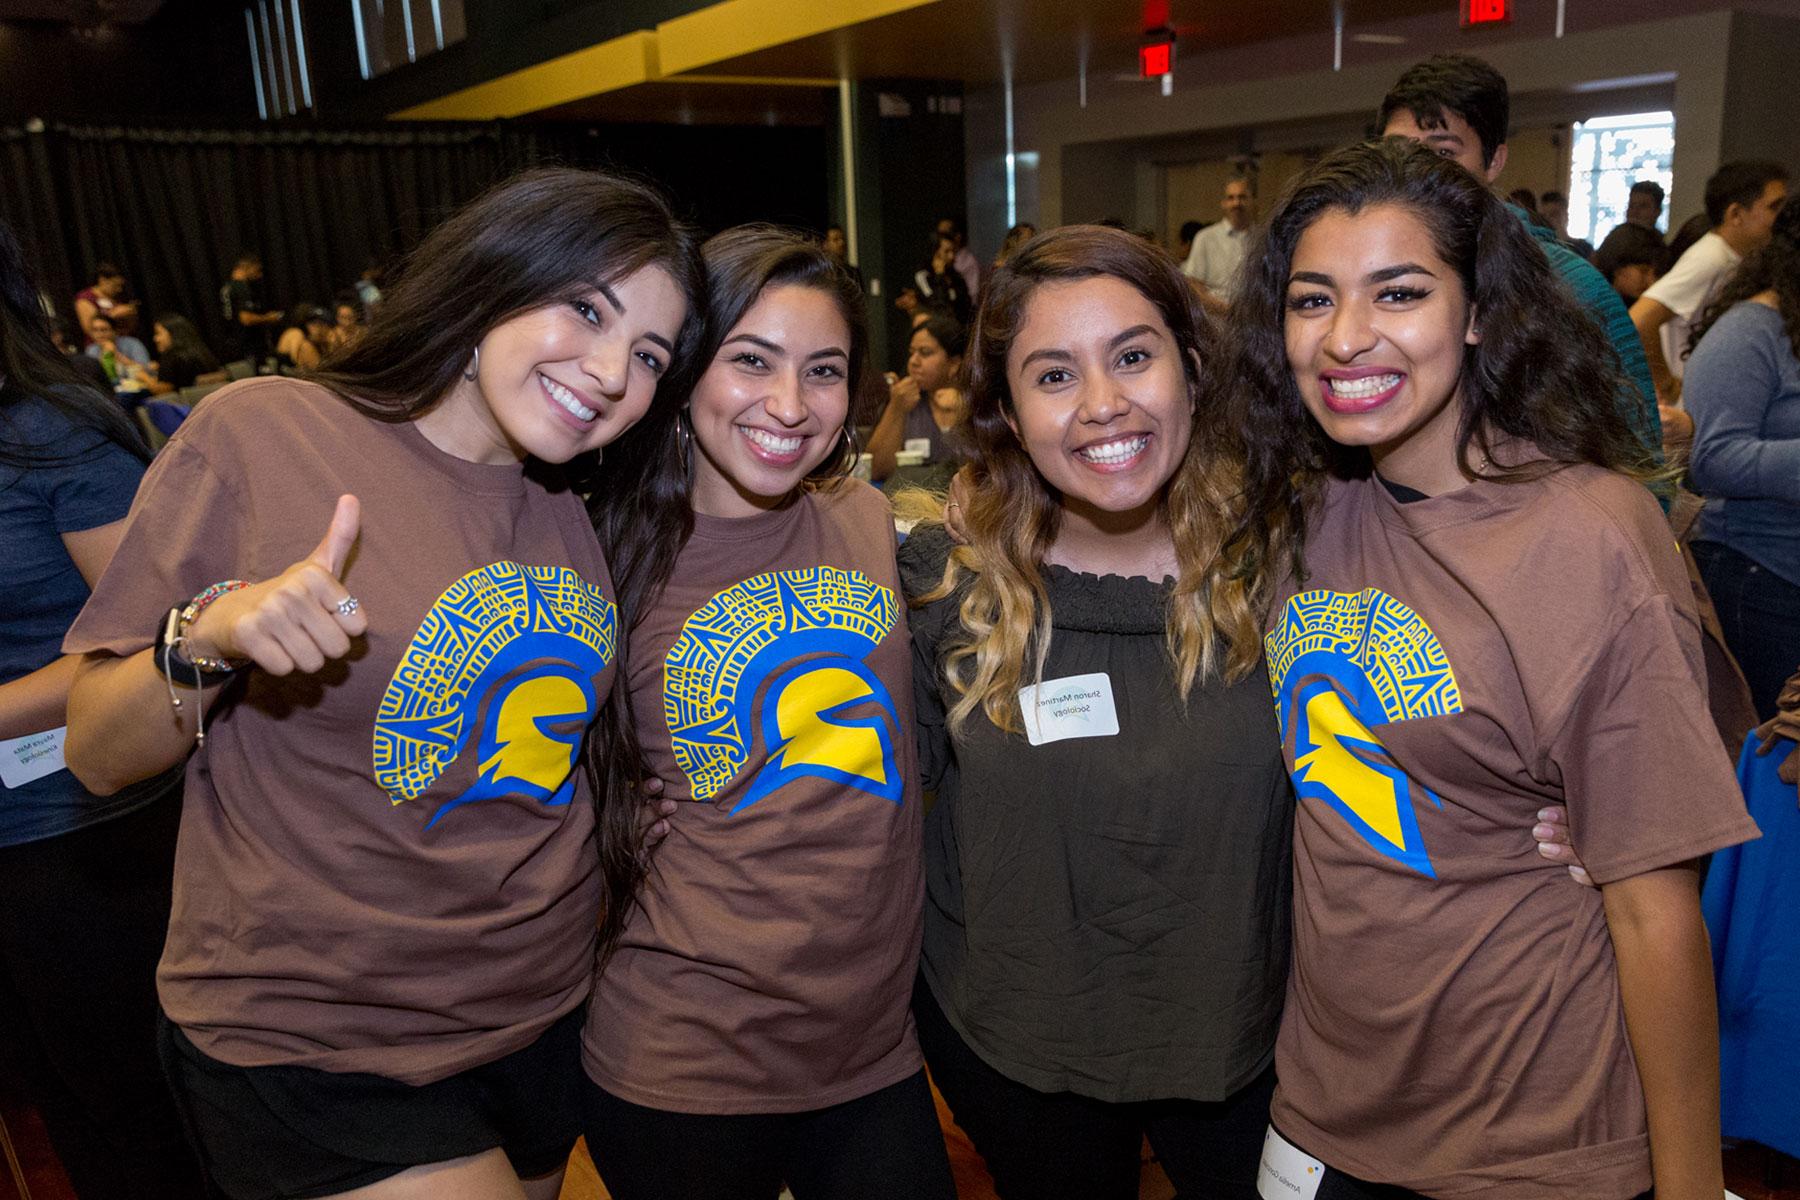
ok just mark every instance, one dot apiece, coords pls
pixel 392 33
pixel 1608 156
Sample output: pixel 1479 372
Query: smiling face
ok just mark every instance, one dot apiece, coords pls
pixel 772 404
pixel 1376 329
pixel 1100 400
pixel 566 377
pixel 1454 139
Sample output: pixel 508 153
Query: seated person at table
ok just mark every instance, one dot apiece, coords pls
pixel 925 405
pixel 122 356
pixel 182 358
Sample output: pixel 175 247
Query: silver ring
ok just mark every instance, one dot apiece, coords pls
pixel 348 605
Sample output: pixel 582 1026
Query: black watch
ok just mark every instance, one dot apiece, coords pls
pixel 176 667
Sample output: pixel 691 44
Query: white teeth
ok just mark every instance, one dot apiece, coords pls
pixel 1362 389
pixel 566 398
pixel 1114 452
pixel 771 443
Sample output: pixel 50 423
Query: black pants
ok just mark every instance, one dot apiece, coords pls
pixel 883 1146
pixel 82 921
pixel 1759 612
pixel 1050 1146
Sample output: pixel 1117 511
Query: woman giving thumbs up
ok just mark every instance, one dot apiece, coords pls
pixel 386 886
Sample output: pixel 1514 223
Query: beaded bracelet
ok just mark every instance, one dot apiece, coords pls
pixel 169 653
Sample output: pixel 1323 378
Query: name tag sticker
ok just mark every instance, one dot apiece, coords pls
pixel 916 446
pixel 1285 1173
pixel 1075 706
pixel 33 756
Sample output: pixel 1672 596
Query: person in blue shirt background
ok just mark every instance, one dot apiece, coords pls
pixel 84 882
pixel 1743 390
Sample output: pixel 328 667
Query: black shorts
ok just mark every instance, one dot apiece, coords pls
pixel 287 1133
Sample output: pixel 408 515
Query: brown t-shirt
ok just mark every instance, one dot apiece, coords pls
pixel 385 866
pixel 1453 1022
pixel 770 966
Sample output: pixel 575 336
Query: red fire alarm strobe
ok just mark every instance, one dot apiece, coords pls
pixel 1156 57
pixel 1486 12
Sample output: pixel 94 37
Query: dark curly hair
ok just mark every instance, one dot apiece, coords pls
pixel 1542 372
pixel 1776 267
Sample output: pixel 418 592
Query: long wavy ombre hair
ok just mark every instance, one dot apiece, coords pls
pixel 1012 516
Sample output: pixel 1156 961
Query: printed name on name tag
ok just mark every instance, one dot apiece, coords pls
pixel 916 446
pixel 1075 706
pixel 33 756
pixel 1285 1173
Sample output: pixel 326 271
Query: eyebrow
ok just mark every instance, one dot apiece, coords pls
pixel 1051 354
pixel 1382 276
pixel 611 296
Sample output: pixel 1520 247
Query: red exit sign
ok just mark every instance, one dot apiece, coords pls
pixel 1486 12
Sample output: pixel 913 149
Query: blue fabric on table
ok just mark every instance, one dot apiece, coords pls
pixel 1752 906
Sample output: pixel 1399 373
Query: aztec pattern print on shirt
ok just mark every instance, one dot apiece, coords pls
pixel 1340 664
pixel 507 657
pixel 781 655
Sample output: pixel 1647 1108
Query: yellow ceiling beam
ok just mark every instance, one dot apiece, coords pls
pixel 736 27
pixel 607 67
pixel 713 34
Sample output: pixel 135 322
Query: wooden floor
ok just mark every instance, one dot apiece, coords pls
pixel 29 1170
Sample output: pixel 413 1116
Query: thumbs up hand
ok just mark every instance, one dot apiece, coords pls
pixel 297 621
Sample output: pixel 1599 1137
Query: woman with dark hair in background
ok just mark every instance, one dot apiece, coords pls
pixel 1486 615
pixel 182 359
pixel 84 879
pixel 385 933
pixel 1743 390
pixel 926 406
pixel 1107 864
pixel 753 1025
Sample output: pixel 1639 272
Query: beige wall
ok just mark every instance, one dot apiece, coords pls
pixel 1191 191
pixel 1081 162
pixel 1537 159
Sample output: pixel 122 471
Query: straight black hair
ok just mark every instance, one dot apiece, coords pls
pixel 32 368
pixel 541 237
pixel 1740 183
pixel 643 512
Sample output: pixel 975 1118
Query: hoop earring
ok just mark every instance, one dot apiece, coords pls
pixel 850 458
pixel 474 367
pixel 685 443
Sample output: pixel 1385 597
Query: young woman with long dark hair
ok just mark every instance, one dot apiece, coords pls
pixel 1107 865
pixel 84 879
pixel 384 930
pixel 753 1024
pixel 1486 614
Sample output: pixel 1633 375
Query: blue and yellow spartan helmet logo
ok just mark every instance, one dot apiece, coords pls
pixel 781 654
pixel 507 657
pixel 1340 663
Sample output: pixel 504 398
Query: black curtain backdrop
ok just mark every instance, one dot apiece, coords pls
pixel 174 208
